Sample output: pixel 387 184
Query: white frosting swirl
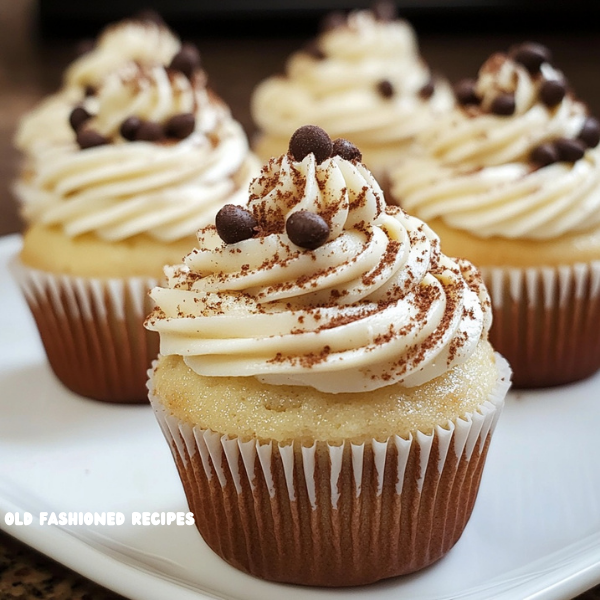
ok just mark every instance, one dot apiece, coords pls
pixel 339 92
pixel 375 305
pixel 144 42
pixel 166 189
pixel 474 169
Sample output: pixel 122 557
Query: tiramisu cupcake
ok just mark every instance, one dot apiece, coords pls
pixel 152 156
pixel 511 181
pixel 325 380
pixel 144 39
pixel 361 79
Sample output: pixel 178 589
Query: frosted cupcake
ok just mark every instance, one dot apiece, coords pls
pixel 152 156
pixel 325 380
pixel 142 40
pixel 511 181
pixel 362 79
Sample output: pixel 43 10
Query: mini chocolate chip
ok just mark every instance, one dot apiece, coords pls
pixel 149 131
pixel 590 132
pixel 307 229
pixel 312 49
pixel 552 92
pixel 180 126
pixel 544 155
pixel 569 150
pixel 88 138
pixel 78 117
pixel 503 104
pixel 332 20
pixel 427 90
pixel 129 128
pixel 385 88
pixel 531 56
pixel 346 150
pixel 187 60
pixel 235 224
pixel 384 10
pixel 464 90
pixel 89 90
pixel 310 139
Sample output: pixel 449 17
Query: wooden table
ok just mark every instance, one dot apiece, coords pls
pixel 31 68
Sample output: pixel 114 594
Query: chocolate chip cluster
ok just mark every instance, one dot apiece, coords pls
pixel 133 128
pixel 304 228
pixel 531 56
pixel 566 149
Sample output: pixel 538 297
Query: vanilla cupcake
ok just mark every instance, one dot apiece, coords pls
pixel 138 39
pixel 361 79
pixel 511 181
pixel 325 381
pixel 152 156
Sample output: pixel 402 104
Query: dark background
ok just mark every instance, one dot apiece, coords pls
pixel 248 18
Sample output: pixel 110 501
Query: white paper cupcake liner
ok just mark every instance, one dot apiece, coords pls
pixel 546 321
pixel 92 330
pixel 334 515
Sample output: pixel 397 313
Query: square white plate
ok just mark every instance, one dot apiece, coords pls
pixel 534 533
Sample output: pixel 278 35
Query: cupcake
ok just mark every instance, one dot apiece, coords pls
pixel 152 156
pixel 325 381
pixel 510 180
pixel 144 39
pixel 361 79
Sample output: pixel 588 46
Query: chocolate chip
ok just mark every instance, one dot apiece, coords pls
pixel 385 88
pixel 332 20
pixel 503 104
pixel 531 56
pixel 78 117
pixel 187 60
pixel 384 10
pixel 235 224
pixel 148 131
pixel 88 138
pixel 544 155
pixel 129 128
pixel 590 132
pixel 569 150
pixel 306 229
pixel 346 150
pixel 552 92
pixel 180 126
pixel 464 90
pixel 312 49
pixel 427 90
pixel 310 139
pixel 89 90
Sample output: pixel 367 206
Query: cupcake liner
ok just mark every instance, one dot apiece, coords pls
pixel 546 321
pixel 92 331
pixel 333 515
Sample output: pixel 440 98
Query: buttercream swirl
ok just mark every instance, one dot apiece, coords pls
pixel 142 41
pixel 376 304
pixel 339 90
pixel 474 168
pixel 165 189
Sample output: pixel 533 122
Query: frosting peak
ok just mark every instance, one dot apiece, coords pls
pixel 375 303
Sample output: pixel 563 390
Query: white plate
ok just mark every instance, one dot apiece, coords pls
pixel 534 533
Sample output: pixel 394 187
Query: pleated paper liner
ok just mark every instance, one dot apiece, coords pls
pixel 334 515
pixel 546 322
pixel 92 331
